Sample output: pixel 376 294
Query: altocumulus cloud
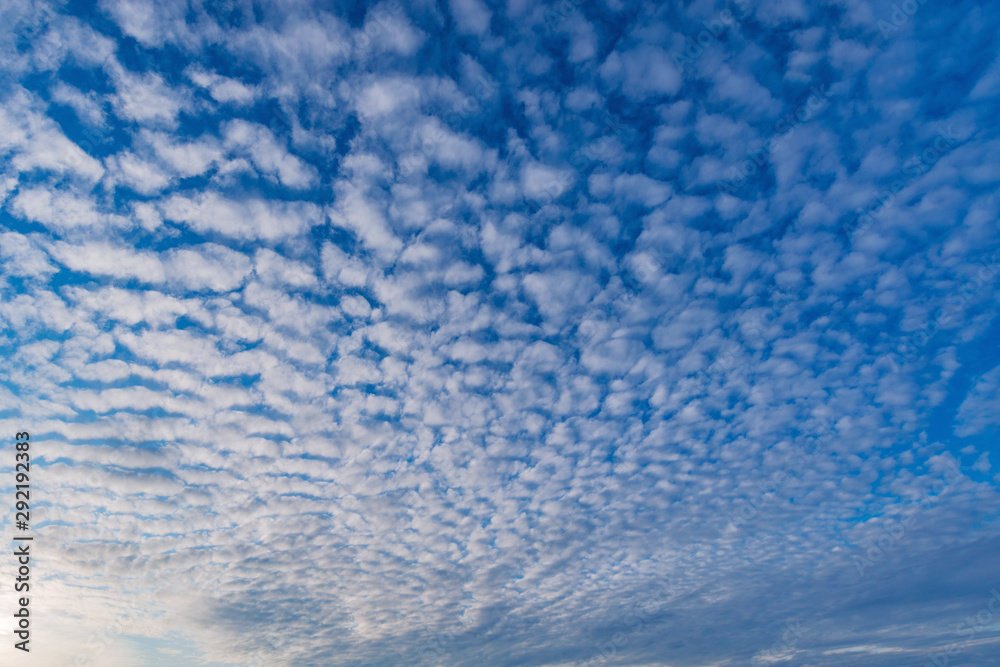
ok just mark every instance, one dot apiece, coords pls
pixel 496 333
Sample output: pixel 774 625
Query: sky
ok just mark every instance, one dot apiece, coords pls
pixel 469 332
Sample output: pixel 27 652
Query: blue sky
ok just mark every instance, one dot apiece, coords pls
pixel 467 332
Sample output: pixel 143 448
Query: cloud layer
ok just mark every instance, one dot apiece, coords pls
pixel 471 333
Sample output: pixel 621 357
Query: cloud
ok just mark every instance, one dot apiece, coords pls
pixel 268 155
pixel 355 212
pixel 207 266
pixel 86 105
pixel 223 90
pixel 381 97
pixel 22 256
pixel 35 141
pixel 148 99
pixel 63 211
pixel 559 293
pixel 303 47
pixel 104 259
pixel 642 72
pixel 185 158
pixel 471 16
pixel 274 268
pixel 980 409
pixel 386 29
pixel 148 22
pixel 142 176
pixel 210 213
pixel 544 183
pixel 338 266
pixel 518 345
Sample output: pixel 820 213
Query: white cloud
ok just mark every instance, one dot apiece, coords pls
pixel 357 213
pixel 301 49
pixel 281 272
pixel 184 158
pixel 471 16
pixel 22 257
pixel 641 188
pixel 104 259
pixel 63 211
pixel 209 213
pixel 151 23
pixel 386 29
pixel 981 408
pixel 37 143
pixel 560 294
pixel 131 307
pixel 88 108
pixel 148 99
pixel 268 155
pixel 451 150
pixel 223 89
pixel 643 71
pixel 207 266
pixel 743 89
pixel 385 96
pixel 341 268
pixel 544 183
pixel 142 176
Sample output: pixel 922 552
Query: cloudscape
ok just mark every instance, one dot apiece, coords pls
pixel 499 333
